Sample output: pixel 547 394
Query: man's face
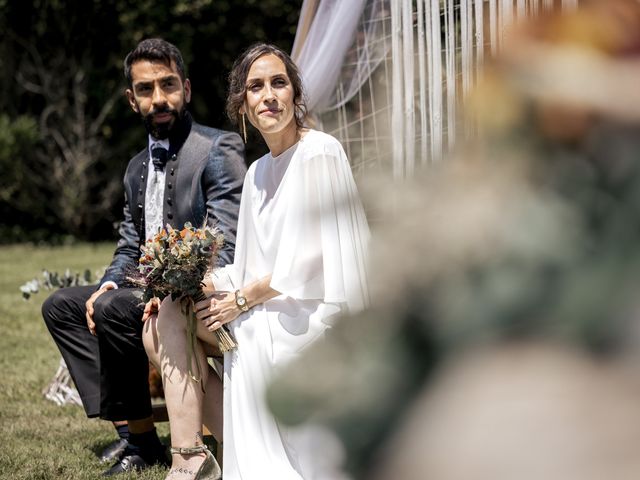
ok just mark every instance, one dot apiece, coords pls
pixel 158 95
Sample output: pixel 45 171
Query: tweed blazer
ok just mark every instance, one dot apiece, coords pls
pixel 204 176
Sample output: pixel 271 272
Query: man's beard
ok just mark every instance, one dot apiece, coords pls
pixel 162 130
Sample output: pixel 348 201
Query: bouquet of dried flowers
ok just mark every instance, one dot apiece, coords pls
pixel 174 262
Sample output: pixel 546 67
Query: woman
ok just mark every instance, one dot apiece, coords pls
pixel 299 262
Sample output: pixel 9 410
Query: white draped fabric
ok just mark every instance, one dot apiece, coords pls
pixel 405 67
pixel 333 70
pixel 301 221
pixel 332 32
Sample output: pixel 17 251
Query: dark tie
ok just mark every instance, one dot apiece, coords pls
pixel 159 157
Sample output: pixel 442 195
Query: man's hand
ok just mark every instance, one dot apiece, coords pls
pixel 151 307
pixel 89 304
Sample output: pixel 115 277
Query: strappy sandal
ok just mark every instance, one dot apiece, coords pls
pixel 209 470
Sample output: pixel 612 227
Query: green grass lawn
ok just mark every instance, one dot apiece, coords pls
pixel 40 440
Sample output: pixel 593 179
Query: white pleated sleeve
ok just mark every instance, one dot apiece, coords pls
pixel 323 243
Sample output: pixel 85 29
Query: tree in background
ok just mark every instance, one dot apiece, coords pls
pixel 66 132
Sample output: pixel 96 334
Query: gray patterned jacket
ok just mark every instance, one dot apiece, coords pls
pixel 204 177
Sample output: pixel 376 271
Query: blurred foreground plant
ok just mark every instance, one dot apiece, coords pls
pixel 528 235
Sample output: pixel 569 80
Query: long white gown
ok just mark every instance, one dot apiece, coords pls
pixel 302 221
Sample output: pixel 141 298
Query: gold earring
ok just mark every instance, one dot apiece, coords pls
pixel 244 129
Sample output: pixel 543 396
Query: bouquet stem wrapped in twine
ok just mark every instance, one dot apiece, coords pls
pixel 223 336
pixel 175 262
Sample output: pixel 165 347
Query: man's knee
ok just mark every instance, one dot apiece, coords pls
pixel 113 312
pixel 104 312
pixel 55 307
pixel 47 307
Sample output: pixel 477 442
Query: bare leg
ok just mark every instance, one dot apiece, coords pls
pixel 165 340
pixel 212 413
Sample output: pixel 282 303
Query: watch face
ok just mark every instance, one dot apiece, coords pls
pixel 241 302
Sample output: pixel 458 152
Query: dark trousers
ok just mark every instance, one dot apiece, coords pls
pixel 110 370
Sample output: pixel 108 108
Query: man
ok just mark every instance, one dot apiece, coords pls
pixel 187 173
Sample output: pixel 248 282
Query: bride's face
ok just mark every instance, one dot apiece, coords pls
pixel 269 99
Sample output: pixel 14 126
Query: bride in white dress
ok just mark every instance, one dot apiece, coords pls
pixel 299 262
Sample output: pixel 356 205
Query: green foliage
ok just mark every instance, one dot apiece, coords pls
pixel 17 137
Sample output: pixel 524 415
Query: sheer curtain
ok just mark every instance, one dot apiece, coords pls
pixel 386 77
pixel 327 31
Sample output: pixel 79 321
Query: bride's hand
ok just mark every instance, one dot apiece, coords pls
pixel 217 310
pixel 151 308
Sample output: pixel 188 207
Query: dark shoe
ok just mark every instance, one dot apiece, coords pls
pixel 130 461
pixel 113 450
pixel 209 470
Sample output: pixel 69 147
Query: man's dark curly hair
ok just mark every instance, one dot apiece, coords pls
pixel 155 50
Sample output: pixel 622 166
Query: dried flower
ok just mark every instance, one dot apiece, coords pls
pixel 174 262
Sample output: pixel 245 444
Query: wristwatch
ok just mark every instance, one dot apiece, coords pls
pixel 241 302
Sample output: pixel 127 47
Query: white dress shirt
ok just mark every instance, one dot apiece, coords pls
pixel 154 196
